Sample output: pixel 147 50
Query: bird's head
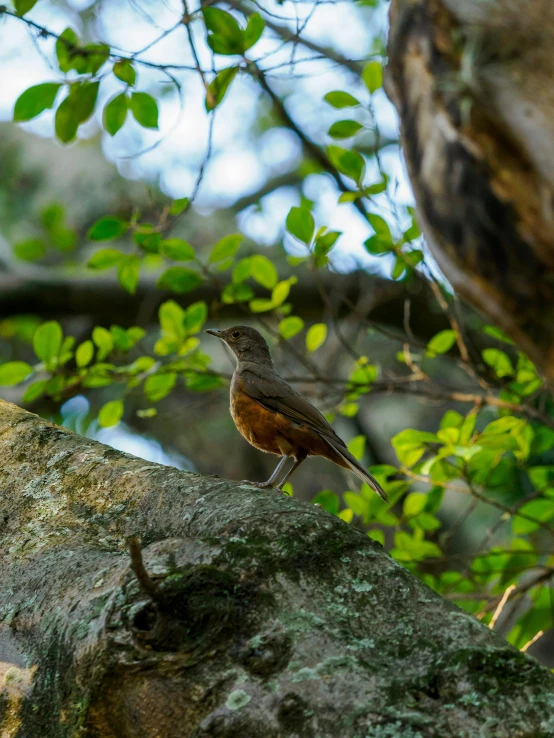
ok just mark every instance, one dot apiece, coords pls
pixel 246 343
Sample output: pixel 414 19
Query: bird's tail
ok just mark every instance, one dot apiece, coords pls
pixel 360 472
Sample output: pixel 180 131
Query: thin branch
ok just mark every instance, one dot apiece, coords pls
pixel 147 584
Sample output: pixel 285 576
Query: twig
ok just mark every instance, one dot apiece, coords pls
pixel 147 584
pixel 500 606
pixel 534 639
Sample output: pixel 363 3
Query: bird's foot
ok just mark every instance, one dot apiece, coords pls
pixel 259 485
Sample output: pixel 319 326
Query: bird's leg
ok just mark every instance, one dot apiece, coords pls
pixel 298 460
pixel 270 482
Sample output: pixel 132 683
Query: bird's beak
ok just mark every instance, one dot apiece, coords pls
pixel 218 334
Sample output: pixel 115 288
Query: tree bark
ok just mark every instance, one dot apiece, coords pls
pixel 255 615
pixel 472 82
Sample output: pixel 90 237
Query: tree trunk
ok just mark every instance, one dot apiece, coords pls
pixel 257 615
pixel 473 84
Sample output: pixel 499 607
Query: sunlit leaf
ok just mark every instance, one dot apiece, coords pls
pixel 316 336
pixel 226 247
pixel 341 99
pixel 31 249
pixel 177 249
pixel 441 342
pixel 179 279
pixel 263 271
pixel 111 413
pixel 115 113
pixel 107 229
pixel 373 76
pixel 47 341
pixel 34 100
pixel 300 224
pixel 344 129
pixel 218 87
pixel 14 372
pixel 124 70
pixel 144 109
pixel 289 327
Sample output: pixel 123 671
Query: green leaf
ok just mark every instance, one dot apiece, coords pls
pixel 300 224
pixel 263 271
pixel 14 372
pixel 34 100
pixel 344 129
pixel 225 35
pixel 540 510
pixel 414 504
pixel 348 162
pixel 225 248
pixel 356 503
pixel 23 6
pixel 195 317
pixel 179 279
pixel 441 342
pixel 84 354
pixel 158 386
pixel 203 382
pixel 324 244
pixel 30 250
pixel 111 413
pixel 356 446
pixel 281 291
pixel 47 341
pixel 315 337
pixel 328 501
pixel 253 31
pixel 115 113
pixel 373 76
pixel 67 52
pixel 35 390
pixel 147 237
pixel 103 340
pixel 128 273
pixel 290 326
pixel 65 121
pixel 144 109
pixel 177 249
pixel 105 259
pixel 410 445
pixel 260 305
pixel 499 335
pixel 218 87
pixel 106 229
pixel 178 206
pixel 340 99
pixel 124 70
pixel 75 109
pixel 96 55
pixel 498 361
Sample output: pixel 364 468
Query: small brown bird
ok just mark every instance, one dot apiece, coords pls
pixel 274 417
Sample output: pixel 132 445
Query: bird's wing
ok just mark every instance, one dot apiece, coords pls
pixel 271 391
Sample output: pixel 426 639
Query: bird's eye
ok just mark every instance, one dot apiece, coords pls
pixel 235 334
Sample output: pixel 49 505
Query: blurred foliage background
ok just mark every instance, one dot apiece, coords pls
pixel 169 167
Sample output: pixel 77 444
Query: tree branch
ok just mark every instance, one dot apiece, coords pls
pixel 277 595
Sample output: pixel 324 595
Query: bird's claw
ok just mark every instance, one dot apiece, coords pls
pixel 259 485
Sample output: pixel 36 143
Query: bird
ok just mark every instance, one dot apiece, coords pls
pixel 274 417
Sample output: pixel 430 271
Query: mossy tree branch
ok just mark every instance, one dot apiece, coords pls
pixel 271 617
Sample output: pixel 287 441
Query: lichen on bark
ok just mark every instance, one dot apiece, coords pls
pixel 274 617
